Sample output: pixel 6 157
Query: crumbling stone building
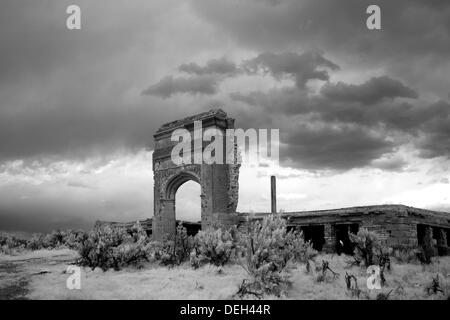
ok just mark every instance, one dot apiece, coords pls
pixel 399 226
pixel 219 182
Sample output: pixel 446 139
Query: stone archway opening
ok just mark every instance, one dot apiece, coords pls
pixel 188 206
pixel 176 181
pixel 169 203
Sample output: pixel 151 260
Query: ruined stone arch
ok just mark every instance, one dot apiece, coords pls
pixel 218 182
pixel 177 180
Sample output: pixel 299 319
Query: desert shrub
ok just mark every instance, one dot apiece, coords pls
pixel 303 251
pixel 383 258
pixel 212 246
pixel 367 244
pixel 434 287
pixel 324 272
pixel 137 232
pixel 384 296
pixel 174 250
pixel 97 249
pixel 74 238
pixel 36 242
pixel 405 255
pixel 54 240
pixel 57 239
pixel 267 248
pixel 352 285
pixel 131 254
pixel 114 247
pixel 10 243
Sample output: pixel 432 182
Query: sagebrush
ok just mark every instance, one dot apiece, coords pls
pixel 267 249
pixel 367 244
pixel 174 249
pixel 114 247
pixel 56 239
pixel 212 246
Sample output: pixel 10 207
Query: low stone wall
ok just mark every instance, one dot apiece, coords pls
pixel 397 225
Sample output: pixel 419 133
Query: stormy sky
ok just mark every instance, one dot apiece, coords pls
pixel 364 115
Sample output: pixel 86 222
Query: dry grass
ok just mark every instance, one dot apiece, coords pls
pixel 157 282
pixel 407 281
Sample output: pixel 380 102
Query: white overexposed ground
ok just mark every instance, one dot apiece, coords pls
pixel 44 275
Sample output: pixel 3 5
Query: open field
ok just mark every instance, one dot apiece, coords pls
pixel 42 275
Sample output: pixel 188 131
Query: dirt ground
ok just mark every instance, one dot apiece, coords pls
pixel 18 271
pixel 43 275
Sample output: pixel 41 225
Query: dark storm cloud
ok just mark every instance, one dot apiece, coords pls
pixel 413 43
pixel 77 93
pixel 377 105
pixel 436 139
pixel 372 103
pixel 425 126
pixel 213 66
pixel 169 86
pixel 36 42
pixel 407 24
pixel 403 117
pixel 301 67
pixel 372 106
pixel 347 103
pixel 413 46
pixel 370 92
pixel 75 132
pixel 338 148
pixel 203 80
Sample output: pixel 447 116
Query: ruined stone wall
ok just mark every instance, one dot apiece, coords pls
pixel 395 224
pixel 233 187
pixel 219 182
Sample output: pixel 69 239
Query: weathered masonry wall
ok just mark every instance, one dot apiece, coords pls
pixel 399 226
pixel 219 182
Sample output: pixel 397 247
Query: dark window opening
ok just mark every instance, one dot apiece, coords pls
pixel 439 235
pixel 315 234
pixel 343 243
pixel 427 237
pixel 448 237
pixel 192 228
pixel 436 232
pixel 420 234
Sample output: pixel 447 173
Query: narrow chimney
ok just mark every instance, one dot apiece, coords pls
pixel 273 194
